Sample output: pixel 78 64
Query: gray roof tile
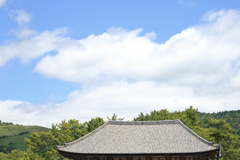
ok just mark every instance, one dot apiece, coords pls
pixel 145 137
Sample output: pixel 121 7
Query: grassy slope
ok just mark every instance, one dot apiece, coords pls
pixel 13 130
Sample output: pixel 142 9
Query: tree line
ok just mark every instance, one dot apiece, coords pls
pixel 5 123
pixel 41 144
pixel 231 117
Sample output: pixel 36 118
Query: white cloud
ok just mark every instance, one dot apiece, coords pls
pixel 34 47
pixel 2 2
pixel 33 44
pixel 212 15
pixel 22 17
pixel 205 57
pixel 25 33
pixel 126 100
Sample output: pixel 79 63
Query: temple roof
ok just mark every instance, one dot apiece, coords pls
pixel 135 137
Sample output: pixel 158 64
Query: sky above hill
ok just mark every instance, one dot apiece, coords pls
pixel 85 59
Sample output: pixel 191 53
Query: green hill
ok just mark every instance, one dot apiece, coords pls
pixel 12 136
pixel 231 117
pixel 11 130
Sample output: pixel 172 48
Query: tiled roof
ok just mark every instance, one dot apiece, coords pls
pixel 145 137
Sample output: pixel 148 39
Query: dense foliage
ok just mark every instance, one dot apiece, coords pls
pixel 41 144
pixel 231 117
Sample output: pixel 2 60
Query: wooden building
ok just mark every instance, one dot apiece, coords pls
pixel 141 140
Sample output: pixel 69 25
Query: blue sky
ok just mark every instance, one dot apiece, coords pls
pixel 82 59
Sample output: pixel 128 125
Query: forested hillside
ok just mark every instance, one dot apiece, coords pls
pixel 231 117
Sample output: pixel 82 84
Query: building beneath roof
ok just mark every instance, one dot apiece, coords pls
pixel 141 140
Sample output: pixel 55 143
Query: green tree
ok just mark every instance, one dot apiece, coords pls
pixel 94 123
pixel 77 129
pixel 231 117
pixel 83 129
pixel 3 156
pixel 222 133
pixel 18 155
pixel 56 133
pixel 68 131
pixel 163 114
pixel 33 156
pixel 192 120
pixel 65 132
pixel 41 142
pixel 189 117
pixel 115 118
pixel 142 117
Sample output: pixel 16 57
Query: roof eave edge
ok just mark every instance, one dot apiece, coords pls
pixel 182 153
pixel 202 139
pixel 82 138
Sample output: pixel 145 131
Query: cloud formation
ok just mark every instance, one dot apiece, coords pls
pixel 33 47
pixel 124 99
pixel 22 17
pixel 32 44
pixel 2 3
pixel 124 73
pixel 205 57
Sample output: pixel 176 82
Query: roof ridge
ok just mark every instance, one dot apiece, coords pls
pixel 82 138
pixel 143 122
pixel 196 135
